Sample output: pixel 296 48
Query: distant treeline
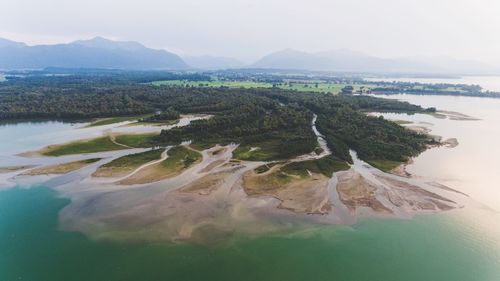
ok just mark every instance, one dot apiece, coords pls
pixel 443 89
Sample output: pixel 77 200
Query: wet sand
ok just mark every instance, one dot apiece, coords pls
pixel 60 168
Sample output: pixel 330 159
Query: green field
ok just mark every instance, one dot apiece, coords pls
pixel 86 146
pixel 136 140
pixel 303 86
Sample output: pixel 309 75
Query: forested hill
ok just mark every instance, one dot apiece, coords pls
pixel 275 120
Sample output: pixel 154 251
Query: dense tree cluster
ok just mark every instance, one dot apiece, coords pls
pixel 277 121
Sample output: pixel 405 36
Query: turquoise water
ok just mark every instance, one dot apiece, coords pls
pixel 426 248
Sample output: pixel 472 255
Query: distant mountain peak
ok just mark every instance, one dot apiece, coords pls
pixel 97 52
pixel 104 43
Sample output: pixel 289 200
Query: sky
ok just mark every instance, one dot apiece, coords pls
pixel 249 29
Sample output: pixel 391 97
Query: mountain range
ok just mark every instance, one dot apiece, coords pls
pixel 94 53
pixel 350 61
pixel 104 53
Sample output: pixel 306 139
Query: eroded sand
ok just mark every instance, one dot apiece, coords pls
pixel 59 168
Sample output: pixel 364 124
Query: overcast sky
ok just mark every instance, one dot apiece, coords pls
pixel 247 29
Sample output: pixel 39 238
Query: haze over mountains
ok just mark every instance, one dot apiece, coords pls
pixel 103 53
pixel 94 53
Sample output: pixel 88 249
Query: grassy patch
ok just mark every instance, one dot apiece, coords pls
pixel 61 168
pixel 384 165
pixel 326 165
pixel 118 119
pixel 402 122
pixel 266 167
pixel 135 160
pixel 251 153
pixel 79 147
pixel 136 140
pixel 126 164
pixel 261 151
pixel 180 158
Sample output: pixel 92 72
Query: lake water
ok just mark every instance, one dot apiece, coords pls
pixel 490 83
pixel 457 245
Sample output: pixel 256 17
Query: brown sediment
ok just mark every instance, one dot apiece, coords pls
pixel 103 172
pixel 355 191
pixel 212 165
pixel 305 195
pixel 60 168
pixel 217 151
pixel 206 184
pixel 10 169
pixel 447 188
pixel 419 129
pixel 453 115
pixel 416 197
pixel 152 173
pixel 401 171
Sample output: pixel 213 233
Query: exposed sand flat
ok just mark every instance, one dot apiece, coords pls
pixel 355 191
pixel 403 193
pixel 126 170
pixel 10 169
pixel 152 173
pixel 210 182
pixel 447 188
pixel 401 171
pixel 159 171
pixel 419 129
pixel 452 115
pixel 450 143
pixel 301 195
pixel 60 168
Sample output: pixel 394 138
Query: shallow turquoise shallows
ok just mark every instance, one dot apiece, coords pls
pixel 426 248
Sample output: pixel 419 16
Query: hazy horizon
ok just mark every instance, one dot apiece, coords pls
pixel 247 30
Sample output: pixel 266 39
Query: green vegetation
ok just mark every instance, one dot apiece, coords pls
pixel 384 165
pixel 294 85
pixel 136 140
pixel 266 167
pixel 179 158
pixel 326 165
pixel 402 122
pixel 135 160
pixel 390 88
pixel 269 123
pixel 85 146
pixel 166 116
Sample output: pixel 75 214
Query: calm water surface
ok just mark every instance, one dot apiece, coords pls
pixel 458 245
pixel 490 83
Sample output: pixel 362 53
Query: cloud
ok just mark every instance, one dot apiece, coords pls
pixel 250 28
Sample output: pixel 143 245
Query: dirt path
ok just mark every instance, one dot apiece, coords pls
pixel 162 157
pixel 112 137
